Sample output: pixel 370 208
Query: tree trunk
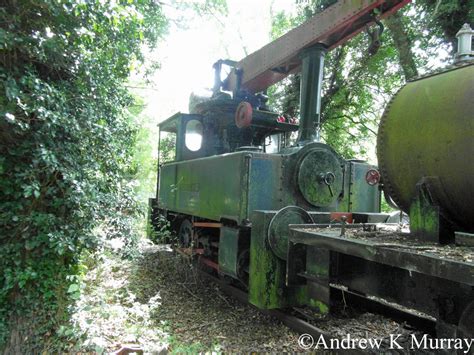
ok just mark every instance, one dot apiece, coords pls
pixel 404 45
pixel 18 337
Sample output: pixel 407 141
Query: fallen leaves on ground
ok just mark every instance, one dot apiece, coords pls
pixel 158 302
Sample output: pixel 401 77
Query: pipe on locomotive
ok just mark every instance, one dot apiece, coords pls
pixel 310 93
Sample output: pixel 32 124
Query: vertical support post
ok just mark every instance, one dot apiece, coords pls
pixel 310 93
pixel 426 219
pixel 317 272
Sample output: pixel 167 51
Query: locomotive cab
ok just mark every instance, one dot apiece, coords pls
pixel 212 130
pixel 188 135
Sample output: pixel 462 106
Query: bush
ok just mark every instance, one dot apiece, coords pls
pixel 66 141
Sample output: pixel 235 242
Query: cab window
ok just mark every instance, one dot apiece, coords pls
pixel 167 147
pixel 273 143
pixel 193 135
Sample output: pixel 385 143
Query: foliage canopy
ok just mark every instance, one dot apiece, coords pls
pixel 362 75
pixel 66 141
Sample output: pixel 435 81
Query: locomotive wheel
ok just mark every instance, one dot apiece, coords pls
pixel 185 233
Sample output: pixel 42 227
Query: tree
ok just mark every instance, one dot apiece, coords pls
pixel 445 18
pixel 359 80
pixel 66 141
pixel 403 44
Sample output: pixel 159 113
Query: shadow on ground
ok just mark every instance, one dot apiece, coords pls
pixel 197 315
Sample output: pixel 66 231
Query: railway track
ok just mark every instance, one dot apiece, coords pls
pixel 312 335
pixel 295 323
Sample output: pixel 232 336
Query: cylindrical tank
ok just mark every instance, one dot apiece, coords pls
pixel 427 130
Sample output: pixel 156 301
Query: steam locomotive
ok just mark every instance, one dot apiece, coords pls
pixel 294 223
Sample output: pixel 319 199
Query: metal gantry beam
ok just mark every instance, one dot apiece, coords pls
pixel 332 27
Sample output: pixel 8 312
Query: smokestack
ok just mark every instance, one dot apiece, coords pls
pixel 310 93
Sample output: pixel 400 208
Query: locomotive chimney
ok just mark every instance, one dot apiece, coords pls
pixel 310 93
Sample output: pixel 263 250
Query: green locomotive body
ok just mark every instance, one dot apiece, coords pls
pixel 222 176
pixel 259 211
pixel 228 187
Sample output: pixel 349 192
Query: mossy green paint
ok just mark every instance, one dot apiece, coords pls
pixel 428 131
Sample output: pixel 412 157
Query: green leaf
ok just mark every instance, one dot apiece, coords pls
pixel 73 288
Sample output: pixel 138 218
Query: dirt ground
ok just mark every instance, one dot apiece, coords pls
pixel 157 303
pixel 200 316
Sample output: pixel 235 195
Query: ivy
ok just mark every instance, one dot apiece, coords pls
pixel 66 142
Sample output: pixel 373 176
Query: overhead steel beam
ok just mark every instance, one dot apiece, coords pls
pixel 332 27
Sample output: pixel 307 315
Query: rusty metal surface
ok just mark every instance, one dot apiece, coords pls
pixel 401 252
pixel 427 130
pixel 207 225
pixel 333 26
pixel 209 263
